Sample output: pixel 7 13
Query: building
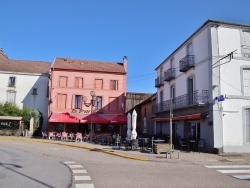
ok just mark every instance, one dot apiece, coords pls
pixel 145 124
pixel 87 95
pixel 205 84
pixel 25 83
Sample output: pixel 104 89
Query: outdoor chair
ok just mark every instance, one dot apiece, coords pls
pixel 79 137
pixel 134 144
pixel 64 136
pixel 201 145
pixel 44 135
pixel 58 136
pixel 183 143
pixel 51 135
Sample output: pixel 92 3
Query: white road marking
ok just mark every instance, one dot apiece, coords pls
pixel 229 166
pixel 82 178
pixel 79 171
pixel 233 171
pixel 243 177
pixel 85 185
pixel 70 162
pixel 75 166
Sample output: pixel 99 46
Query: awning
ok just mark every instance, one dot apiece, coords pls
pixel 63 118
pixel 177 118
pixel 94 118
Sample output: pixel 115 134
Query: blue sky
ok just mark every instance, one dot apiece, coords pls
pixel 146 31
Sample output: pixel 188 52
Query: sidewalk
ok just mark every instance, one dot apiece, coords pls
pixel 185 157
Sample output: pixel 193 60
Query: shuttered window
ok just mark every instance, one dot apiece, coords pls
pixel 11 97
pixel 98 84
pixel 79 82
pixel 246 82
pixel 247 125
pixel 246 44
pixel 61 101
pixel 63 81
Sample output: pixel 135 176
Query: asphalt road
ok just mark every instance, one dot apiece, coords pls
pixel 42 165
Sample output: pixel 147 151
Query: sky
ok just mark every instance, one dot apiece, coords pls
pixel 146 31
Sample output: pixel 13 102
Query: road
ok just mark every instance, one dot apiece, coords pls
pixel 37 163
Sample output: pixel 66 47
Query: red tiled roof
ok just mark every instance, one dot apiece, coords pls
pixel 88 65
pixel 24 66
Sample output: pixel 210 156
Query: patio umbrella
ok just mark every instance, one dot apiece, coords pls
pixel 129 126
pixel 134 117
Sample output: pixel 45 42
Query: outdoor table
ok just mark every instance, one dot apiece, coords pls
pixel 192 142
pixel 159 141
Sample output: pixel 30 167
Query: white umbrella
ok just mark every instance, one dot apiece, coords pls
pixel 129 126
pixel 134 133
pixel 144 125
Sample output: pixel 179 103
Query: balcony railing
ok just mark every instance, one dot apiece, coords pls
pixel 196 98
pixel 187 63
pixel 169 74
pixel 159 81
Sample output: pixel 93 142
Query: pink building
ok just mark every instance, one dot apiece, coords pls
pixel 87 95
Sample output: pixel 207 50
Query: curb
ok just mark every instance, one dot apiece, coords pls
pixel 81 147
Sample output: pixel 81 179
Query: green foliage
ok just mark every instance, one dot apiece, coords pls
pixel 10 109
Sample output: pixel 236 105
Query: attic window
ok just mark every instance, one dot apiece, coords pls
pixel 34 91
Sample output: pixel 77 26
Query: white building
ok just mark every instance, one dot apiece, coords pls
pixel 208 79
pixel 25 83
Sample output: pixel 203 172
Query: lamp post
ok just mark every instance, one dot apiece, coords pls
pixel 92 103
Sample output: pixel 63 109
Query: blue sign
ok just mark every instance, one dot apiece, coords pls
pixel 221 98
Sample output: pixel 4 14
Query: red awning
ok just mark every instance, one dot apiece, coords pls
pixel 63 118
pixel 95 118
pixel 186 117
pixel 119 119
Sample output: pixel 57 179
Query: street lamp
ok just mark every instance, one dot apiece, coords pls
pixel 92 103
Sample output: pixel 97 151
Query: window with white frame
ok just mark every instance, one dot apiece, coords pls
pixel 99 102
pixel 247 124
pixel 245 44
pixel 246 81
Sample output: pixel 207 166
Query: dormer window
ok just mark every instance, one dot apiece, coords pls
pixel 12 81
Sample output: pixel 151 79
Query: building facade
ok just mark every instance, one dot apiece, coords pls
pixel 87 95
pixel 203 86
pixel 25 83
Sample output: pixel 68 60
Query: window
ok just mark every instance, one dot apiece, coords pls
pixel 114 84
pixel 79 82
pixel 246 44
pixel 246 82
pixel 11 96
pixel 99 104
pixel 34 91
pixel 63 81
pixel 98 84
pixel 78 101
pixel 247 124
pixel 172 63
pixel 191 90
pixel 172 93
pixel 61 101
pixel 190 50
pixel 12 81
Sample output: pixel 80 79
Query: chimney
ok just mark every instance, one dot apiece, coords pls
pixel 125 62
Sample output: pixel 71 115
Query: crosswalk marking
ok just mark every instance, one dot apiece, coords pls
pixel 229 166
pixel 82 178
pixel 70 162
pixel 233 171
pixel 75 166
pixel 79 171
pixel 243 177
pixel 85 185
